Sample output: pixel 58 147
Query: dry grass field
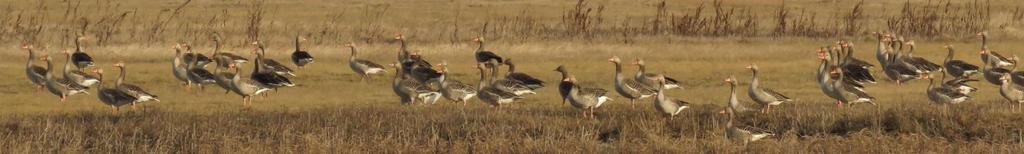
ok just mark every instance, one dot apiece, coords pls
pixel 332 111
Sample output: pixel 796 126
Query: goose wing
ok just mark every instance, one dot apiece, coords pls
pixel 81 59
pixel 530 81
pixel 775 94
pixel 639 87
pixel 135 91
pixel 484 56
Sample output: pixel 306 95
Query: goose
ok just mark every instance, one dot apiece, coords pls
pixel 848 95
pixel 487 93
pixel 825 79
pixel 178 66
pixel 987 54
pixel 200 59
pixel 1014 94
pixel 899 72
pixel 403 50
pixel 140 95
pixel 199 76
pixel 75 75
pixel 564 86
pixel 224 59
pixel 36 74
pixel 271 65
pixel 300 57
pixel 363 67
pixel 943 94
pixel 452 89
pixel 524 78
pixel 650 79
pixel 420 71
pixel 993 74
pixel 113 97
pixel 764 96
pixel 669 107
pixel 740 135
pixel 586 98
pixel 268 78
pixel 507 85
pixel 958 68
pixel 79 57
pixel 881 51
pixel 734 103
pixel 223 78
pixel 629 87
pixel 484 56
pixel 859 71
pixel 247 87
pixel 960 85
pixel 922 65
pixel 61 87
pixel 409 90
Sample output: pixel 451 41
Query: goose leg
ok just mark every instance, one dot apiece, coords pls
pixel 632 103
pixel 592 114
pixel 63 98
pixel 39 88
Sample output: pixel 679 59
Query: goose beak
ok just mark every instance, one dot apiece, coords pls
pixel 722 111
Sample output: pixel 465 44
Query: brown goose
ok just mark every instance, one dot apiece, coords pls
pixel 524 78
pixel 945 95
pixel 987 54
pixel 859 71
pixel 993 74
pixel 1014 94
pixel 178 66
pixel 268 78
pixel 403 51
pixel 629 87
pixel 846 94
pixel 246 87
pixel 734 102
pixel 79 57
pixel 300 57
pixel 199 76
pixel 669 107
pixel 741 135
pixel 452 89
pixel 507 85
pixel 190 56
pixel 61 87
pixel 764 96
pixel 224 59
pixel 487 93
pixel 484 56
pixel 36 74
pixel 113 97
pixel 137 92
pixel 363 67
pixel 223 78
pixel 958 68
pixel 922 65
pixel 564 86
pixel 586 98
pixel 76 76
pixel 271 65
pixel 419 69
pixel 409 90
pixel 650 79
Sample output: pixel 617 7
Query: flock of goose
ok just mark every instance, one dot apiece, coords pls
pixel 840 75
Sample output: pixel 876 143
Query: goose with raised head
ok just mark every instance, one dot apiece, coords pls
pixel 199 76
pixel 740 135
pixel 629 87
pixel 363 67
pixel 79 57
pixel 943 94
pixel 403 50
pixel 268 78
pixel 564 86
pixel 667 106
pixel 113 97
pixel 225 59
pixel 764 96
pixel 882 49
pixel 35 73
pixel 422 72
pixel 586 98
pixel 734 102
pixel 488 93
pixel 507 85
pixel 452 89
pixel 178 66
pixel 849 95
pixel 140 95
pixel 484 56
pixel 524 78
pixel 958 68
pixel 300 57
pixel 190 57
pixel 993 74
pixel 920 65
pixel 59 86
pixel 859 71
pixel 409 58
pixel 409 90
pixel 899 72
pixel 271 65
pixel 960 85
pixel 650 79
pixel 245 87
pixel 998 60
pixel 75 75
pixel 1013 94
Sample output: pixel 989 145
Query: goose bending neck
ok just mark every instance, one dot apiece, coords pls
pixel 120 78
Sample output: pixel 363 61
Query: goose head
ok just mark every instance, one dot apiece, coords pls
pixel 614 59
